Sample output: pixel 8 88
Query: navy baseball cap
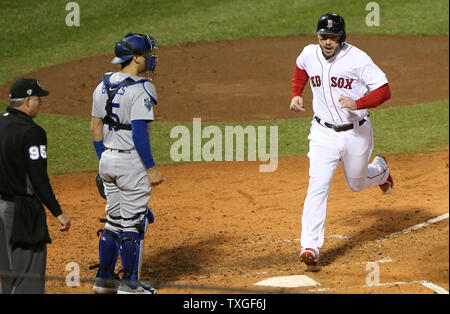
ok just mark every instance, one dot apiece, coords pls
pixel 26 87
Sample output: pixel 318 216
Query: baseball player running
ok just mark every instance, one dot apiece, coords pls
pixel 122 112
pixel 345 83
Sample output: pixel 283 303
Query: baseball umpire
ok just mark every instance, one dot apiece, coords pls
pixel 345 83
pixel 24 188
pixel 122 112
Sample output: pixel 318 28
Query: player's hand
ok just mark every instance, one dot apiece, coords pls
pixel 154 176
pixel 65 222
pixel 297 104
pixel 347 102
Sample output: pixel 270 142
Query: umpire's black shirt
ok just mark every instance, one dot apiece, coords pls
pixel 23 159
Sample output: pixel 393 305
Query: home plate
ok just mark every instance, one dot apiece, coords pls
pixel 288 282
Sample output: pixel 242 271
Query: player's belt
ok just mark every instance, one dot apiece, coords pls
pixel 125 151
pixel 339 127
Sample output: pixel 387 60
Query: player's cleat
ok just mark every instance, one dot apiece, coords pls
pixel 141 288
pixel 387 187
pixel 105 286
pixel 311 258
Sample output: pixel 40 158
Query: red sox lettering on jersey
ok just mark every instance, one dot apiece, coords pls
pixel 335 82
pixel 350 73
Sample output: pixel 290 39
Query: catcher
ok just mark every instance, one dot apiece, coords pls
pixel 122 112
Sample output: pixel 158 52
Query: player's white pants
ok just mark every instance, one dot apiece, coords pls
pixel 127 188
pixel 327 149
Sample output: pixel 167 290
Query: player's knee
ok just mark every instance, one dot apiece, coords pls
pixel 109 238
pixel 318 187
pixel 319 184
pixel 127 238
pixel 128 241
pixel 356 188
pixel 356 185
pixel 139 222
pixel 113 222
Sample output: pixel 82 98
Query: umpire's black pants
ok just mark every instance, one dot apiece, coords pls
pixel 22 270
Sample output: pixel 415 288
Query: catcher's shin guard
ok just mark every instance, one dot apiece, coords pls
pixel 108 249
pixel 132 249
pixel 129 254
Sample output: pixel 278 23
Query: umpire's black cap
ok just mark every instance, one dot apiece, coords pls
pixel 26 87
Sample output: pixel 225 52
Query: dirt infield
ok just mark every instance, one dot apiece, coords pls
pixel 249 79
pixel 227 224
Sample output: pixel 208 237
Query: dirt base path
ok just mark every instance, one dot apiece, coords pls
pixel 239 226
pixel 248 79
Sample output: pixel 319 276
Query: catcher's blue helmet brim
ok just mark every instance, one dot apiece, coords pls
pixel 122 59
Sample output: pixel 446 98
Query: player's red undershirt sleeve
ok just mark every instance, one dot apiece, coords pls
pixel 299 80
pixel 374 98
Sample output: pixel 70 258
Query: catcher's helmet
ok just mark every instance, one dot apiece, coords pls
pixel 136 45
pixel 332 23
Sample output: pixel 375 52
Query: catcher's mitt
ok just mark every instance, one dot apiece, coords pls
pixel 100 186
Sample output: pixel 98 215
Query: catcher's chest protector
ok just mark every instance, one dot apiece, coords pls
pixel 111 90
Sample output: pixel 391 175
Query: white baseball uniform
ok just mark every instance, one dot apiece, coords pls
pixel 121 169
pixel 351 73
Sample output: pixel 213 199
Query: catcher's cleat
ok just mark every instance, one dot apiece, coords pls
pixel 105 286
pixel 141 288
pixel 311 258
pixel 387 187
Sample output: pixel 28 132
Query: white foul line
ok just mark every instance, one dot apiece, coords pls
pixel 381 261
pixel 437 289
pixel 393 235
pixel 415 227
pixel 432 286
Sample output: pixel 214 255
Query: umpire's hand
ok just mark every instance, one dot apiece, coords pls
pixel 65 222
pixel 154 176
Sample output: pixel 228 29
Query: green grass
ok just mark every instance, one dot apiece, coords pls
pixel 410 129
pixel 34 33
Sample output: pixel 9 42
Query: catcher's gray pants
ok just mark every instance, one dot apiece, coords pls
pixel 127 189
pixel 28 264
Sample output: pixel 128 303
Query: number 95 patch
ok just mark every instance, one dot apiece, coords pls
pixel 38 152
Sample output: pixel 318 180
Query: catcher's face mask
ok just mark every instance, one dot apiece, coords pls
pixel 151 58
